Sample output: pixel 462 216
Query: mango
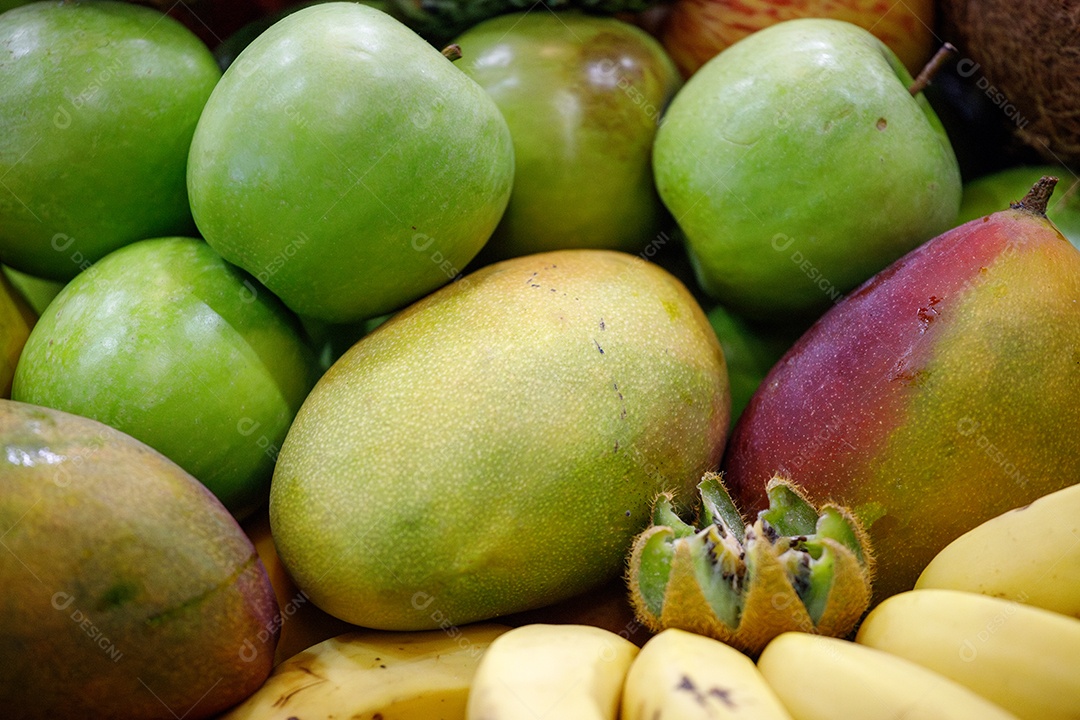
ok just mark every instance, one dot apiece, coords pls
pixel 941 393
pixel 130 592
pixel 302 624
pixel 496 446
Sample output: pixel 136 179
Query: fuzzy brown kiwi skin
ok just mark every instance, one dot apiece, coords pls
pixel 768 601
pixel 132 593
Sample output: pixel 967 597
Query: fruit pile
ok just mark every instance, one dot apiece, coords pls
pixel 348 372
pixel 991 631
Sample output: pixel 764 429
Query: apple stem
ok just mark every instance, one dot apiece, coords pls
pixel 1038 196
pixel 931 68
pixel 452 52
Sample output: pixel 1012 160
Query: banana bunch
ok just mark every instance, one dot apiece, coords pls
pixel 580 672
pixel 1023 658
pixel 680 675
pixel 1030 555
pixel 991 631
pixel 556 672
pixel 824 678
pixel 372 674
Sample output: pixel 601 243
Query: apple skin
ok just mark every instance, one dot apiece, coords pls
pixel 798 164
pixel 695 31
pixel 582 96
pixel 992 193
pixel 99 105
pixel 6 5
pixel 166 342
pixel 940 394
pixel 347 164
pixel 226 50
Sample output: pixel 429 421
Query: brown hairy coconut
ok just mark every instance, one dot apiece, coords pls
pixel 1026 58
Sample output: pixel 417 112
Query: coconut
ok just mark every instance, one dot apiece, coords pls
pixel 1026 59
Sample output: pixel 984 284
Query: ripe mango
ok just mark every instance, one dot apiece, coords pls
pixel 943 392
pixel 301 623
pixel 496 446
pixel 129 592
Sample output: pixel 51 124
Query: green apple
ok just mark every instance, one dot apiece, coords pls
pixel 798 164
pixel 583 97
pixel 227 50
pixel 170 344
pixel 99 103
pixel 347 164
pixel 993 193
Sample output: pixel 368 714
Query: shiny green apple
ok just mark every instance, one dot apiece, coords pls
pixel 170 344
pixel 798 164
pixel 98 105
pixel 347 164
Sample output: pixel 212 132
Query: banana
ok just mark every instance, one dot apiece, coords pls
pixel 823 678
pixel 551 672
pixel 1030 555
pixel 1025 659
pixel 372 674
pixel 680 675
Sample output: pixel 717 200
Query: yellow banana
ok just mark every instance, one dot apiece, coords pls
pixel 552 672
pixel 683 676
pixel 1023 658
pixel 372 674
pixel 1030 555
pixel 824 678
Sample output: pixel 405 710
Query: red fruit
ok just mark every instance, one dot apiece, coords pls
pixel 696 30
pixel 943 392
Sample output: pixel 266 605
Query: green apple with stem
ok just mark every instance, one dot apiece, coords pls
pixel 799 163
pixel 583 96
pixel 165 341
pixel 347 164
pixel 99 103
